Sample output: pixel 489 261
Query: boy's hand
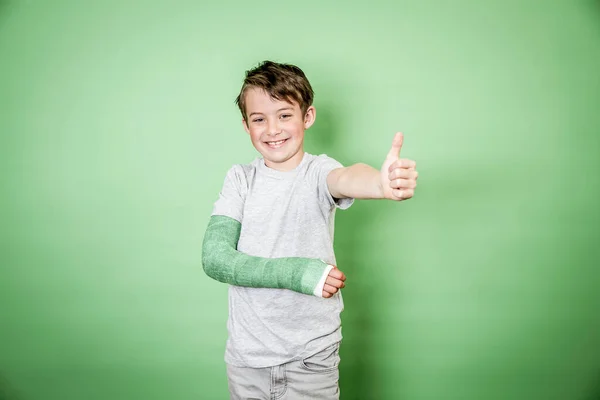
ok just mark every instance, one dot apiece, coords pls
pixel 398 175
pixel 334 282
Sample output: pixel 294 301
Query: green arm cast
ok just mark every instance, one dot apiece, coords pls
pixel 222 261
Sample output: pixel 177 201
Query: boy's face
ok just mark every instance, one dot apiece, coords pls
pixel 276 128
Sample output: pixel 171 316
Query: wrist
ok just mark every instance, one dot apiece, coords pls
pixel 318 291
pixel 370 184
pixel 380 191
pixel 312 276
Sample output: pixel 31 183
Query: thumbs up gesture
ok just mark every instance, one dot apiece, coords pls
pixel 398 175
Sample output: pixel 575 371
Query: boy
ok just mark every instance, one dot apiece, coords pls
pixel 270 237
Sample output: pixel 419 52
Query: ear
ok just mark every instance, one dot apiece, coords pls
pixel 245 126
pixel 310 116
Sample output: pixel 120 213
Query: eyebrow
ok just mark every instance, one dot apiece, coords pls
pixel 281 109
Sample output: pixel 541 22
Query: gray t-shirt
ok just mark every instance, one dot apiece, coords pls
pixel 283 214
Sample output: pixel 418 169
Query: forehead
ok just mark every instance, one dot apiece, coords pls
pixel 259 101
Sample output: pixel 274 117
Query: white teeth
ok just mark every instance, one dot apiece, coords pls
pixel 278 142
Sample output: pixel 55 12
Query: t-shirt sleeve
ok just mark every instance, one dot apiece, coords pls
pixel 231 198
pixel 324 166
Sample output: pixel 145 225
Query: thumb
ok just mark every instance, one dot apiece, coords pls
pixel 396 146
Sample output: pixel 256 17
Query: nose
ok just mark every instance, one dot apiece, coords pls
pixel 274 128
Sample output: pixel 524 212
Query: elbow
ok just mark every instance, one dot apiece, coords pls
pixel 208 260
pixel 205 263
pixel 214 260
pixel 219 246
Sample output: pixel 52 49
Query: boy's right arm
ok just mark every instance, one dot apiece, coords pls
pixel 222 261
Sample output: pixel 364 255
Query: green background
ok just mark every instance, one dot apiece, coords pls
pixel 117 125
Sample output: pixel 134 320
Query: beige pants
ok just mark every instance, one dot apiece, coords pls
pixel 315 377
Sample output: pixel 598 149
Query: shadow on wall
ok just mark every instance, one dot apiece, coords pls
pixel 595 392
pixel 7 391
pixel 5 10
pixel 358 369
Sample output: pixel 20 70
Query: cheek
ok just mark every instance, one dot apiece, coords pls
pixel 252 131
pixel 297 128
pixel 255 135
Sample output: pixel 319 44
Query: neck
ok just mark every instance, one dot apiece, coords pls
pixel 287 165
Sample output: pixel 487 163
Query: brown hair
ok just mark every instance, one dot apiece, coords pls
pixel 281 81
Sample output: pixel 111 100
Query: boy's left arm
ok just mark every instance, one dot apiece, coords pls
pixel 396 180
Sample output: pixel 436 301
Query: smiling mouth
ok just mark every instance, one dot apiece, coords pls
pixel 276 144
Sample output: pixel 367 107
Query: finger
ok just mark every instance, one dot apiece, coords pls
pixel 337 274
pixel 403 184
pixel 403 194
pixel 402 163
pixel 394 152
pixel 330 289
pixel 403 173
pixel 326 294
pixel 334 282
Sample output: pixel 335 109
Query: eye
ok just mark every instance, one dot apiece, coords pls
pixel 285 116
pixel 257 120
